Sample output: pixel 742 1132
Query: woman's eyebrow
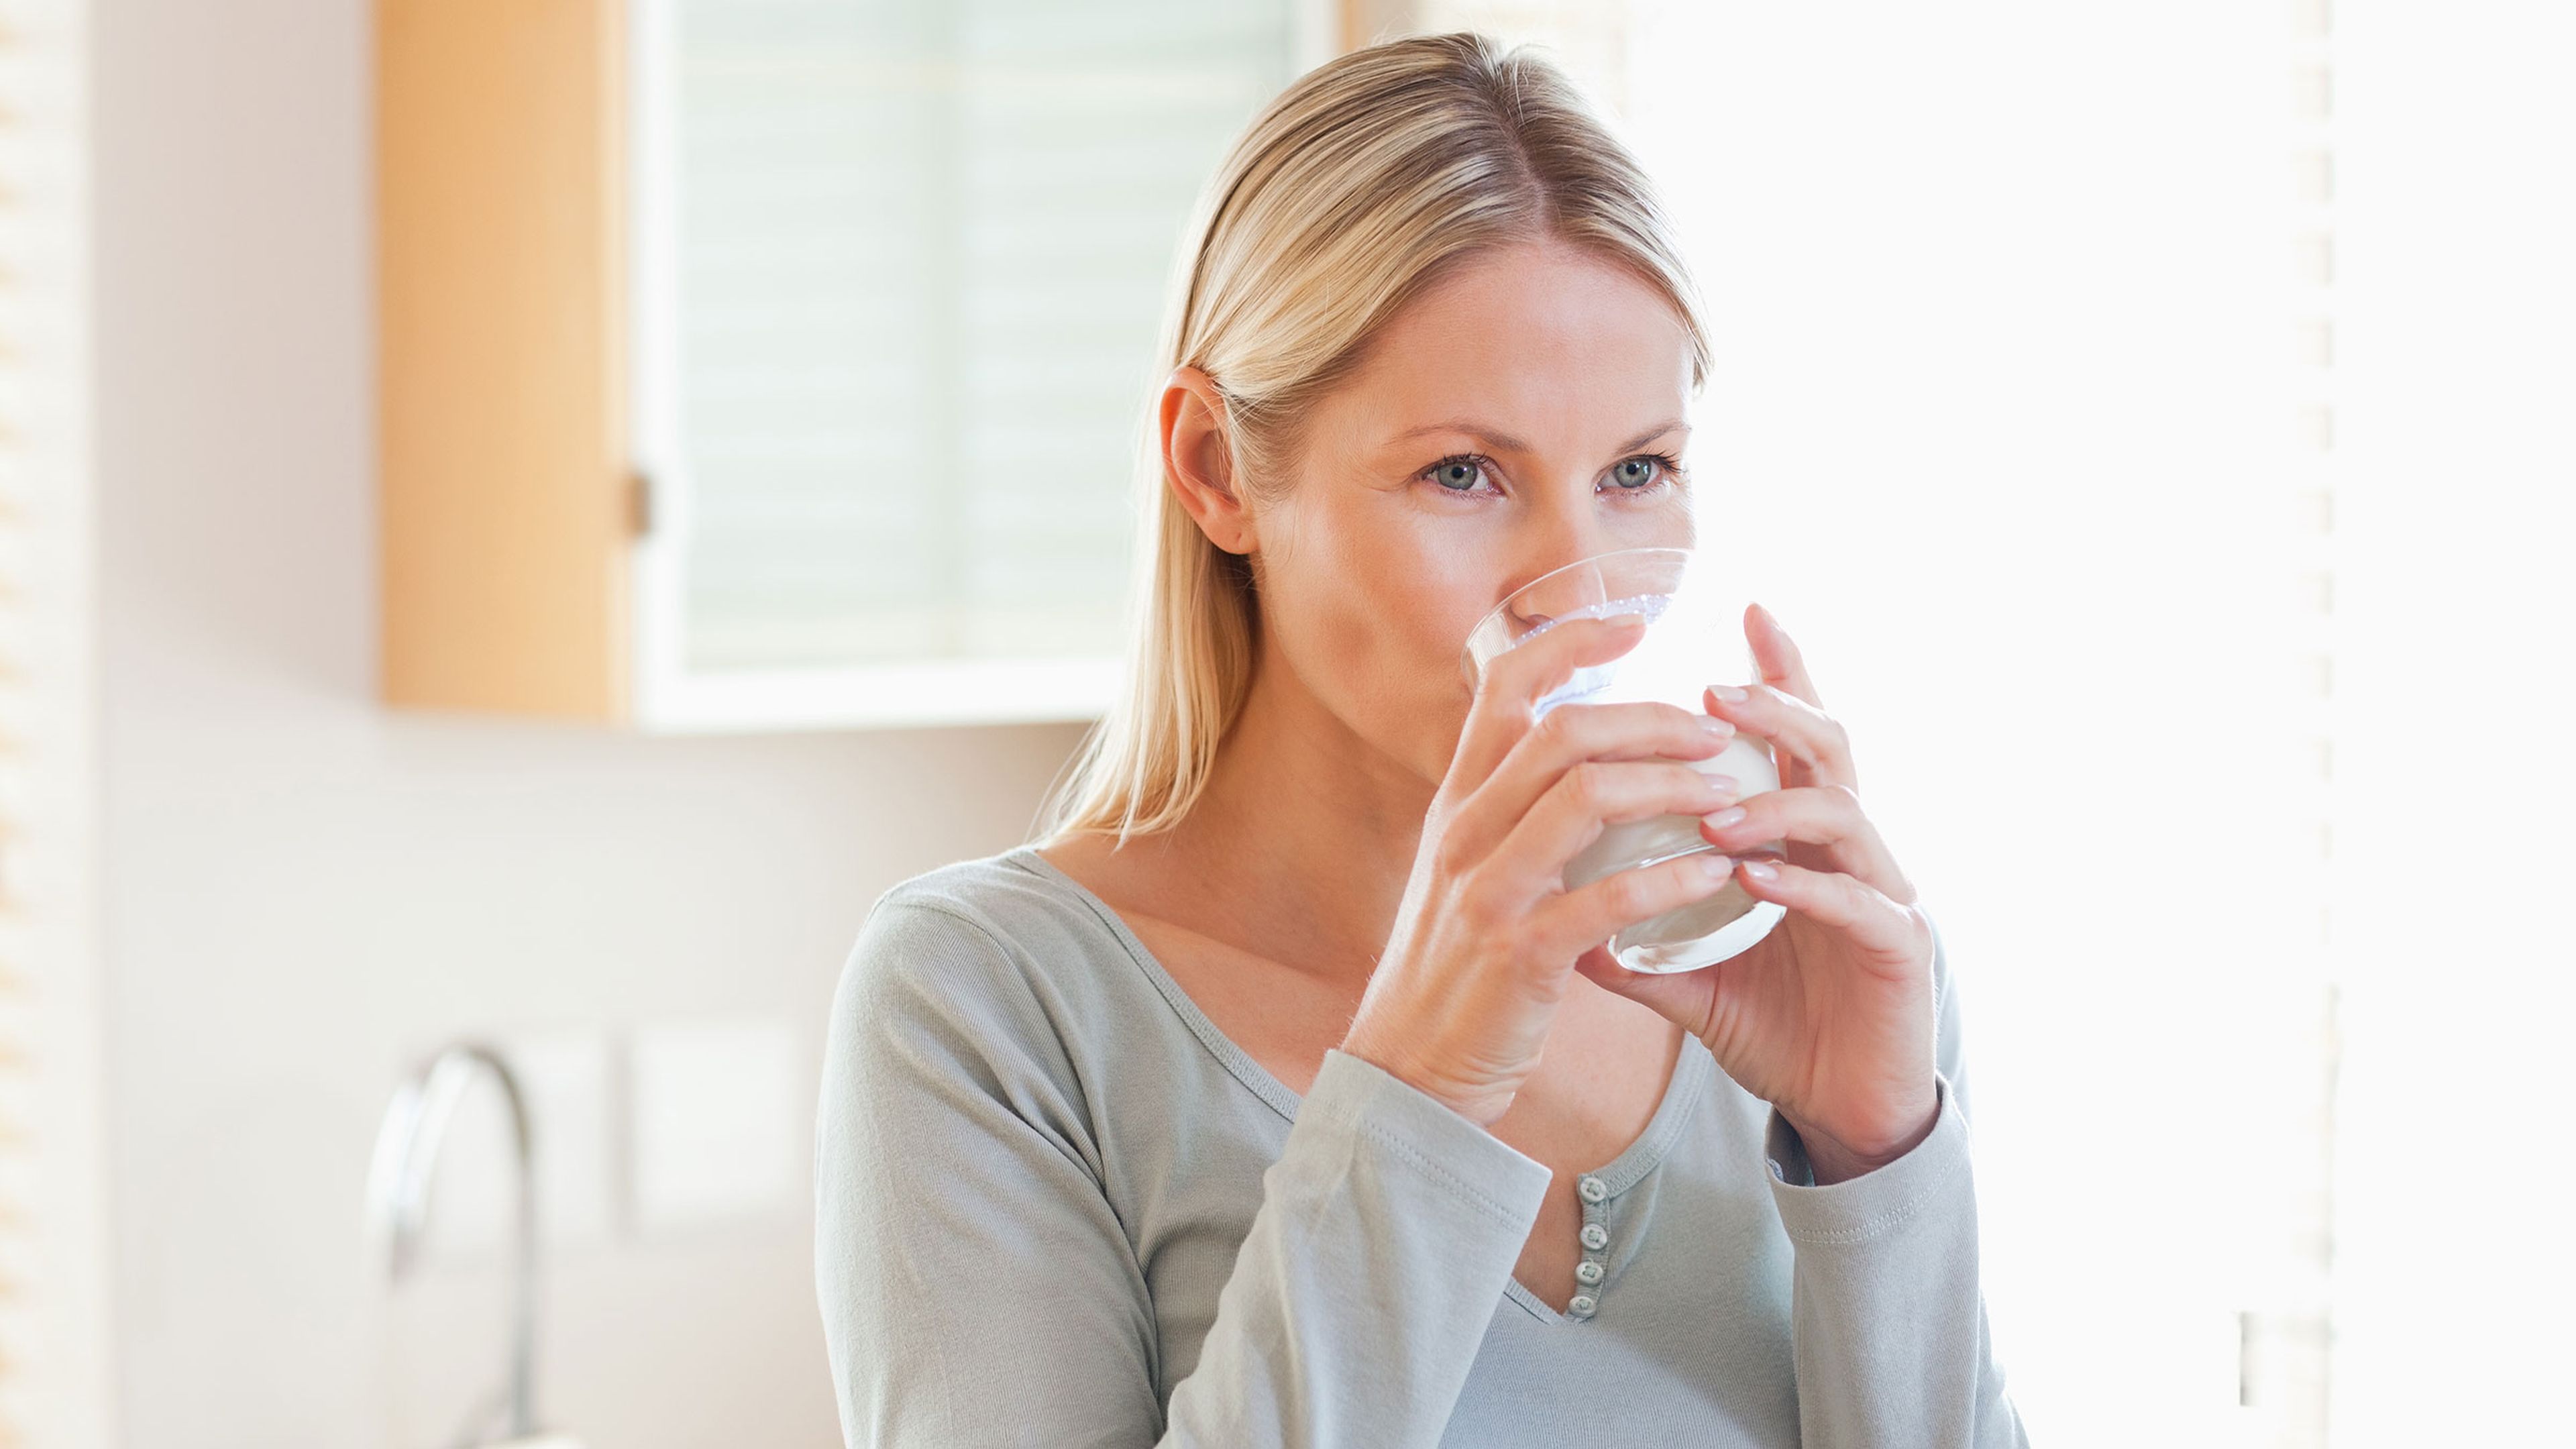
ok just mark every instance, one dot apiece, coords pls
pixel 1502 442
pixel 1650 434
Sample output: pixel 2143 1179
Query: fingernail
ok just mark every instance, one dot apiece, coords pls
pixel 1714 866
pixel 1762 870
pixel 1716 726
pixel 1723 818
pixel 1730 693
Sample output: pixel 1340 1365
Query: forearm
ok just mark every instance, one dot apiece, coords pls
pixel 1360 1298
pixel 1889 1330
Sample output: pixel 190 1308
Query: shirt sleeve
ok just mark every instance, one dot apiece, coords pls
pixel 1889 1332
pixel 977 1286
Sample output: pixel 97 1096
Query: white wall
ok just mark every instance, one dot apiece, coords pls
pixel 303 889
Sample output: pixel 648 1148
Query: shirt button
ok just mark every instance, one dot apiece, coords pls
pixel 1582 1305
pixel 1587 1274
pixel 1592 1188
pixel 1595 1236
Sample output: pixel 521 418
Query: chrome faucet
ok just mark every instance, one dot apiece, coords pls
pixel 407 1146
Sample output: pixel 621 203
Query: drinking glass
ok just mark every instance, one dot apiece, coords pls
pixel 1693 638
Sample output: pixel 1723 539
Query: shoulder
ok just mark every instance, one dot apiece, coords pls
pixel 981 951
pixel 967 1039
pixel 1001 909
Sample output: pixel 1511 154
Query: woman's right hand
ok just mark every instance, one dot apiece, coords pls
pixel 1487 936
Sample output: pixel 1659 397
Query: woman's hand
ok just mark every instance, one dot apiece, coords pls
pixel 1829 1018
pixel 1485 942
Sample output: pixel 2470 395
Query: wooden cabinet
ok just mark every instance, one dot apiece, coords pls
pixel 782 364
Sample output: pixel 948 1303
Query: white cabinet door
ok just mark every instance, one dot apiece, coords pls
pixel 898 270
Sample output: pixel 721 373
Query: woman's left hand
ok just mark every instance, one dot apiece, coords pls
pixel 1829 1017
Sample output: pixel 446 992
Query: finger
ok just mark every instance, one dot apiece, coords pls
pixel 1777 656
pixel 1569 735
pixel 1571 923
pixel 1591 795
pixel 1885 931
pixel 1513 682
pixel 1814 748
pixel 1682 997
pixel 1829 816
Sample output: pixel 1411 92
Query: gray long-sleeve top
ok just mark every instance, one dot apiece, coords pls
pixel 1056 1206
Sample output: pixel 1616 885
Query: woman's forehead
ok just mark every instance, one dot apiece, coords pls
pixel 1527 343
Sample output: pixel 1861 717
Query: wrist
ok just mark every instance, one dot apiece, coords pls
pixel 1483 1105
pixel 1833 1160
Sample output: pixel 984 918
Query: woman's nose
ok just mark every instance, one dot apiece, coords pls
pixel 1551 586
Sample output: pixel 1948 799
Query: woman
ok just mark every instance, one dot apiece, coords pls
pixel 1281 1094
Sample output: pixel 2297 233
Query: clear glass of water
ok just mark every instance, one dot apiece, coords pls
pixel 1694 638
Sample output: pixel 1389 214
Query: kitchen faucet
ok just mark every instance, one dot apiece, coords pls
pixel 407 1145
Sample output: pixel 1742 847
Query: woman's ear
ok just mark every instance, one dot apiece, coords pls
pixel 1198 460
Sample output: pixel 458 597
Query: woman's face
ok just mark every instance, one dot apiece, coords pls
pixel 1528 411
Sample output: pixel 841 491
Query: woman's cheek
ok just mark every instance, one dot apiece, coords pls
pixel 1355 645
pixel 1433 692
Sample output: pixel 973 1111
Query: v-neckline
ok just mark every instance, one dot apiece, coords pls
pixel 1682 1088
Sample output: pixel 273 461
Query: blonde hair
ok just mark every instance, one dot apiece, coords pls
pixel 1361 185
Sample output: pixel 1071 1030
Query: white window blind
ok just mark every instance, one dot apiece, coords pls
pixel 921 260
pixel 54 1346
pixel 2455 475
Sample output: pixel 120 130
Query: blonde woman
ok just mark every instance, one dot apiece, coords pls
pixel 1281 1094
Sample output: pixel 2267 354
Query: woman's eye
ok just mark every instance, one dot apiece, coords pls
pixel 1636 472
pixel 1457 474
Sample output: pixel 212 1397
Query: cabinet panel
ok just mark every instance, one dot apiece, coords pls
pixel 500 311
